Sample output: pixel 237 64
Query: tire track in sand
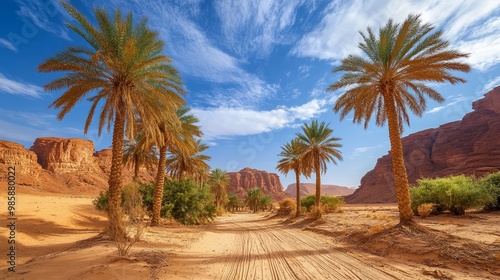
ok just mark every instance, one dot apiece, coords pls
pixel 265 250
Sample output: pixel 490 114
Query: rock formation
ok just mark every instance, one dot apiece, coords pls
pixel 470 146
pixel 61 165
pixel 310 188
pixel 248 178
pixel 63 155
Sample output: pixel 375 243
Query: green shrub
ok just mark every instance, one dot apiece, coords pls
pixel 328 203
pixel 308 202
pixel 455 194
pixel 491 183
pixel 331 203
pixel 182 200
pixel 233 202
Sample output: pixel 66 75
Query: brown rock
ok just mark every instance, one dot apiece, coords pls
pixel 248 178
pixel 63 155
pixel 27 169
pixel 470 146
pixel 310 188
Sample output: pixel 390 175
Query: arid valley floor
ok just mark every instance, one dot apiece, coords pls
pixel 60 237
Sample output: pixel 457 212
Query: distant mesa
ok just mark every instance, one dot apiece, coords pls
pixel 61 165
pixel 248 178
pixel 470 146
pixel 310 188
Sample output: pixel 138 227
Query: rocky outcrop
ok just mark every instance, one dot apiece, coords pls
pixel 63 155
pixel 470 146
pixel 248 178
pixel 310 188
pixel 62 165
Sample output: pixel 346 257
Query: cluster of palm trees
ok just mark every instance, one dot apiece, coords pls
pixel 139 94
pixel 309 152
pixel 387 82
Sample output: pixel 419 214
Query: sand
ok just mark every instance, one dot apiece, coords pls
pixel 60 237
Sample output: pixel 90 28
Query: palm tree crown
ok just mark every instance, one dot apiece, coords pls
pixel 291 160
pixel 388 81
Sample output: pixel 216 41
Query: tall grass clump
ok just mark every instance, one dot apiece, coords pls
pixel 455 194
pixel 491 183
pixel 287 206
pixel 328 203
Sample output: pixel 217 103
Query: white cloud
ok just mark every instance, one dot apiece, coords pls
pixel 491 84
pixel 471 26
pixel 260 24
pixel 361 150
pixel 19 88
pixel 40 15
pixel 440 108
pixel 7 44
pixel 225 122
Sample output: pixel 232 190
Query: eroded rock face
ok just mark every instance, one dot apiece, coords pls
pixel 248 178
pixel 63 155
pixel 470 146
pixel 27 170
pixel 310 188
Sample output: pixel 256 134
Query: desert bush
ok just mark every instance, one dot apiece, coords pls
pixel 287 206
pixel 424 210
pixel 182 200
pixel 455 194
pixel 131 219
pixel 308 202
pixel 331 203
pixel 491 183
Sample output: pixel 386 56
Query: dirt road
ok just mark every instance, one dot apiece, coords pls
pixel 249 246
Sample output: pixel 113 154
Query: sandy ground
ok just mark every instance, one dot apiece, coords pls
pixel 58 237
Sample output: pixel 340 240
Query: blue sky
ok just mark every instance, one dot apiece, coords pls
pixel 255 71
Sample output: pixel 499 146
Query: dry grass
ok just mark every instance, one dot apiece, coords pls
pixel 424 210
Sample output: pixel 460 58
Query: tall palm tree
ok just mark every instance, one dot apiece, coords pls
pixel 123 69
pixel 389 79
pixel 253 198
pixel 176 132
pixel 320 147
pixel 291 153
pixel 219 182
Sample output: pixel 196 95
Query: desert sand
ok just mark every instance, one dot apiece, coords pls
pixel 61 237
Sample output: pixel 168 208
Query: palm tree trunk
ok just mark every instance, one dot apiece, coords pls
pixel 116 229
pixel 318 183
pixel 297 182
pixel 160 180
pixel 398 164
pixel 136 167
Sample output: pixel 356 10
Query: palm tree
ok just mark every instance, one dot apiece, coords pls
pixel 122 69
pixel 219 182
pixel 188 164
pixel 319 149
pixel 176 132
pixel 253 199
pixel 292 161
pixel 137 153
pixel 389 80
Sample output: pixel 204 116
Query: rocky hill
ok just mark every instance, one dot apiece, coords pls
pixel 249 178
pixel 470 146
pixel 60 165
pixel 310 188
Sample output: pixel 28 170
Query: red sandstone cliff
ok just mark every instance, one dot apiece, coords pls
pixel 470 146
pixel 248 178
pixel 310 188
pixel 61 165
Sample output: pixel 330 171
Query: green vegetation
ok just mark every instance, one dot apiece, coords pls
pixel 491 183
pixel 330 203
pixel 455 194
pixel 183 200
pixel 233 203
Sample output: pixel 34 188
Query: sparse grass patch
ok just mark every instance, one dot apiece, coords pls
pixel 424 210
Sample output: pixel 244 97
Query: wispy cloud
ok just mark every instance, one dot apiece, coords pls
pixel 440 108
pixel 262 24
pixel 491 84
pixel 362 150
pixel 19 88
pixel 471 26
pixel 40 15
pixel 7 44
pixel 225 122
